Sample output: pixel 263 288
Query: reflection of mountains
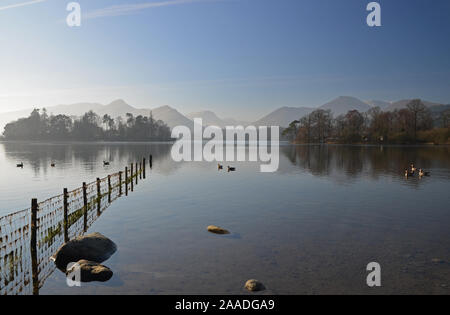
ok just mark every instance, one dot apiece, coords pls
pixel 350 162
pixel 339 162
pixel 39 156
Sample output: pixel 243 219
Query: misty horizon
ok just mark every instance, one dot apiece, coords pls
pixel 192 62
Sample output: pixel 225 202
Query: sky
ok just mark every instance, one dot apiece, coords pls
pixel 239 58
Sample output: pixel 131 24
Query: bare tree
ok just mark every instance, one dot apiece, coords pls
pixel 445 118
pixel 419 112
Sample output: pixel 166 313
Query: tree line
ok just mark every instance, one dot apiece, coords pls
pixel 413 124
pixel 89 127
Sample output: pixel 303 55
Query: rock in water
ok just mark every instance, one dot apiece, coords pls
pixel 91 271
pixel 254 285
pixel 93 247
pixel 217 230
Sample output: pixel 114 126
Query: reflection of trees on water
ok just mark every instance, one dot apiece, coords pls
pixel 372 161
pixel 89 156
pixel 344 163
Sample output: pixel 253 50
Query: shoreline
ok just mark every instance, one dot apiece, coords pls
pixel 83 142
pixel 281 143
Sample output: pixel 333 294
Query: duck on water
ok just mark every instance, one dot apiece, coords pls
pixel 423 173
pixel 231 169
pixel 412 171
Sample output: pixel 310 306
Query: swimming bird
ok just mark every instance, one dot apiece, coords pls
pixel 231 169
pixel 219 167
pixel 20 165
pixel 423 173
pixel 408 174
pixel 105 163
pixel 53 165
pixel 413 169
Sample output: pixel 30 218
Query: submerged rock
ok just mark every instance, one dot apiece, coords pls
pixel 93 247
pixel 254 285
pixel 91 271
pixel 217 230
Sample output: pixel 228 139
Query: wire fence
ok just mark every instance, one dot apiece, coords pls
pixel 56 221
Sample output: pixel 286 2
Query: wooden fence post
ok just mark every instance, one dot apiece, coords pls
pixel 143 167
pixel 140 170
pixel 137 173
pixel 66 209
pixel 109 189
pixel 33 246
pixel 85 207
pixel 99 196
pixel 126 180
pixel 120 183
pixel 151 161
pixel 131 177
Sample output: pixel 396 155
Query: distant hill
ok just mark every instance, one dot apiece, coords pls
pixel 343 104
pixel 402 104
pixel 171 117
pixel 283 116
pixel 115 109
pixel 235 122
pixel 211 119
pixel 381 104
pixel 280 117
pixel 439 108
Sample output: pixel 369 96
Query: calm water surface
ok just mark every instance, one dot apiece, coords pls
pixel 310 228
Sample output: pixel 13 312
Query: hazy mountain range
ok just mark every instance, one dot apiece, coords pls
pixel 339 106
pixel 211 119
pixel 282 116
pixel 115 109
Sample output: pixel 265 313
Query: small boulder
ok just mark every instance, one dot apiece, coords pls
pixel 91 271
pixel 254 285
pixel 93 247
pixel 217 230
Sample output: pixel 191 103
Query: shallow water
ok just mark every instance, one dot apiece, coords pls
pixel 310 228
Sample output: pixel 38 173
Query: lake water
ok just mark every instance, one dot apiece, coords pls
pixel 309 228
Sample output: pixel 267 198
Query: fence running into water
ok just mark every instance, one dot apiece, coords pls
pixel 28 238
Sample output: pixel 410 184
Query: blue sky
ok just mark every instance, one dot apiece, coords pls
pixel 240 58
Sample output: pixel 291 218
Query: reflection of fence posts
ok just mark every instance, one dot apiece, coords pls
pixel 99 196
pixel 126 180
pixel 143 167
pixel 52 222
pixel 131 177
pixel 66 223
pixel 33 247
pixel 137 171
pixel 120 183
pixel 85 207
pixel 109 188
